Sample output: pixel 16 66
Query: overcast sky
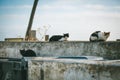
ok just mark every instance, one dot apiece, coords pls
pixel 79 18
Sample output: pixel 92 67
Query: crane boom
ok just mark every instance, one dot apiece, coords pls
pixel 27 36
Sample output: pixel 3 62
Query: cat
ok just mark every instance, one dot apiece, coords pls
pixel 27 53
pixel 59 37
pixel 99 36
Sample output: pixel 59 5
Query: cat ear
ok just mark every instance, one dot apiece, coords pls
pixel 104 33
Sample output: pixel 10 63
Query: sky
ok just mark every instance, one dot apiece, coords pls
pixel 79 18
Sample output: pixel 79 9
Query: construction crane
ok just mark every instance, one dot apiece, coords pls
pixel 28 32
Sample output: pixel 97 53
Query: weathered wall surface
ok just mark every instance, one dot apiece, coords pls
pixel 110 50
pixel 45 69
pixel 12 70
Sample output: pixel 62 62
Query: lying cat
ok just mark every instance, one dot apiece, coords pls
pixel 59 37
pixel 99 36
pixel 27 53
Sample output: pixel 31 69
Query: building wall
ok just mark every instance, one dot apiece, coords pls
pixel 65 69
pixel 109 50
pixel 47 68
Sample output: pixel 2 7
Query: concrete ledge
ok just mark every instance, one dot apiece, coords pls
pixel 109 50
pixel 69 69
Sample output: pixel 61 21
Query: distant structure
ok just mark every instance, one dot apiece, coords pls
pixel 32 36
pixel 46 37
pixel 117 39
pixel 14 39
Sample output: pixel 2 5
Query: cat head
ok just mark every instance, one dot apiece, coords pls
pixel 22 51
pixel 66 35
pixel 106 34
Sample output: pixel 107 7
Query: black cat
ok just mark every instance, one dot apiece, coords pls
pixel 59 37
pixel 27 53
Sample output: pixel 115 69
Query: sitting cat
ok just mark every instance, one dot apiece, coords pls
pixel 27 53
pixel 99 36
pixel 59 37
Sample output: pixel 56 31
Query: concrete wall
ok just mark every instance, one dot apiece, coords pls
pixel 66 69
pixel 110 50
pixel 47 68
pixel 12 70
